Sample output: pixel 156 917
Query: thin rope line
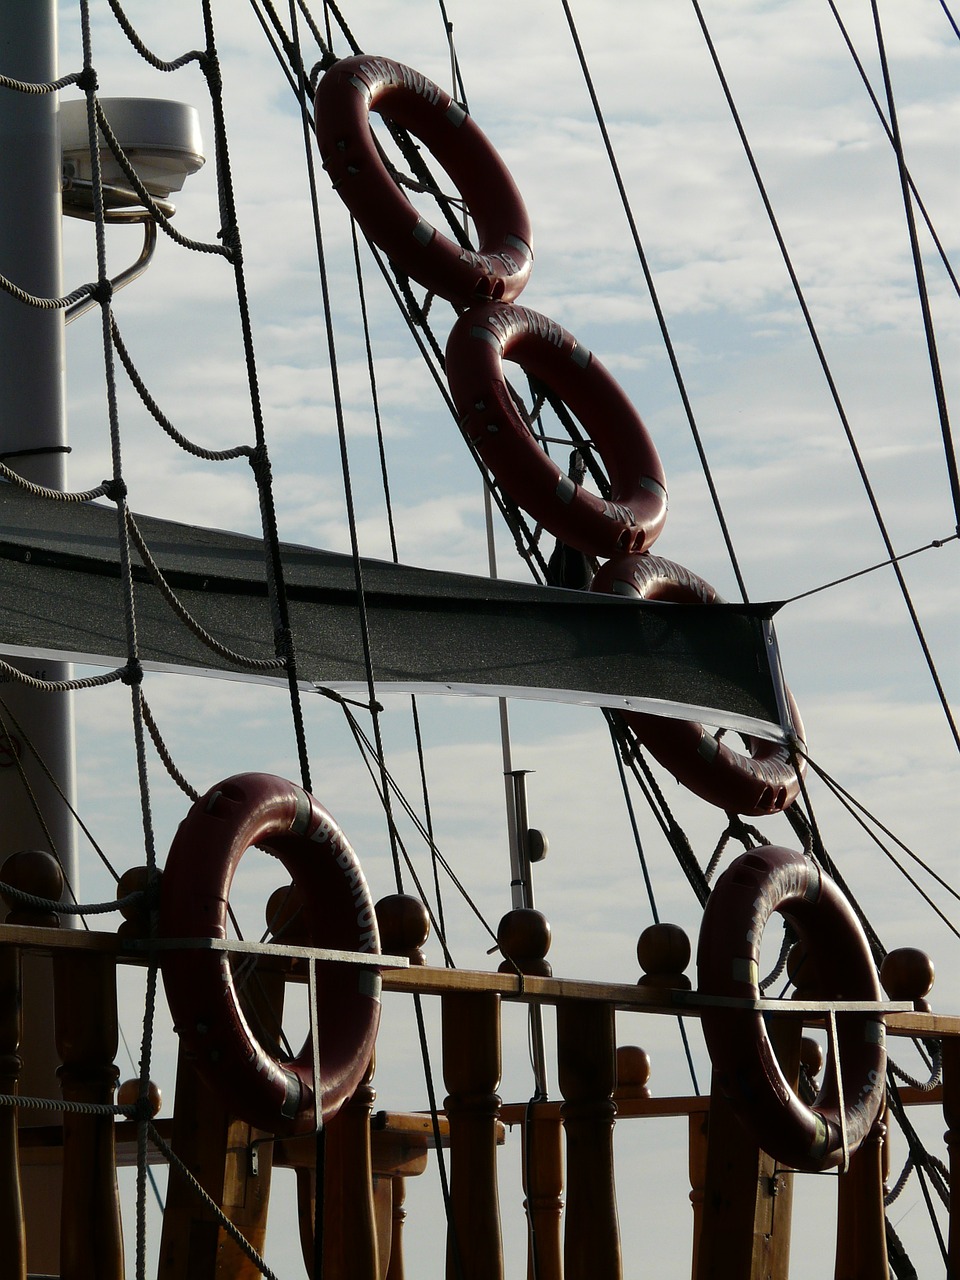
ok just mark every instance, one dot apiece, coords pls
pixel 828 375
pixel 949 452
pixel 655 300
pixel 881 564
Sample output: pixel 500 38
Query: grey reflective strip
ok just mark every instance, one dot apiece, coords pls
pixel 819 1145
pixel 653 486
pixel 478 331
pixel 516 243
pixel 875 1033
pixel 812 891
pixel 301 819
pixel 580 355
pixel 369 983
pixel 291 1096
pixel 423 232
pixel 566 489
pixel 363 88
pixel 456 114
pixel 744 971
pixel 708 748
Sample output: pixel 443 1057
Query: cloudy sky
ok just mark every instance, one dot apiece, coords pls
pixel 795 506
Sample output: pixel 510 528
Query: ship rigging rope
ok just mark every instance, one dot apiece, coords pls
pixel 302 96
pixel 856 809
pixel 187 618
pixel 7 714
pixel 655 300
pixel 828 375
pixel 950 455
pixel 941 251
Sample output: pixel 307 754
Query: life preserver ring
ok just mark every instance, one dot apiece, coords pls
pixel 758 883
pixel 763 780
pixel 633 517
pixel 345 96
pixel 278 1096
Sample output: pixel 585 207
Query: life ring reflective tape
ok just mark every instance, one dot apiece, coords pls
pixel 345 96
pixel 634 514
pixel 746 895
pixel 763 780
pixel 276 1095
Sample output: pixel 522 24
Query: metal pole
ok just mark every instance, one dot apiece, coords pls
pixel 32 396
pixel 33 418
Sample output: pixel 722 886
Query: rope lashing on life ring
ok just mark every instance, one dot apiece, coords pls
pixel 633 516
pixel 279 1096
pixel 757 884
pixel 765 779
pixel 345 96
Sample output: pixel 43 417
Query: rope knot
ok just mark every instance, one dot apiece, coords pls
pixel 87 80
pixel 115 490
pixel 102 291
pixel 259 460
pixel 132 673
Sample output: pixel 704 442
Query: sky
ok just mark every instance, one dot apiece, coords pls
pixel 795 508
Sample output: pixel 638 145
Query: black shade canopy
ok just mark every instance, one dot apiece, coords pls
pixel 429 631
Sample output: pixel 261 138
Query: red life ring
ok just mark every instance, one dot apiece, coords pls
pixel 345 96
pixel 749 891
pixel 762 781
pixel 278 1096
pixel 633 517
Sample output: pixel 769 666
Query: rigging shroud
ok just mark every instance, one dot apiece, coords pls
pixel 429 631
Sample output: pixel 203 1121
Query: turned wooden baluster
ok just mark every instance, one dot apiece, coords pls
pixel 524 937
pixel 395 1270
pixel 404 925
pixel 85 989
pixel 471 1072
pixel 951 1115
pixel 13 1249
pixel 588 1076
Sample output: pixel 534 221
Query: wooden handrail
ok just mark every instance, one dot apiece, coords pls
pixel 375 1153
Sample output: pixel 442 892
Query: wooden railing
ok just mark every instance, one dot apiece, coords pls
pixel 740 1199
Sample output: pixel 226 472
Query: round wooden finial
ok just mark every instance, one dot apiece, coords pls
pixel 136 915
pixel 129 1092
pixel 633 1072
pixel 524 937
pixel 811 1055
pixel 802 971
pixel 907 974
pixel 664 952
pixel 39 873
pixel 404 924
pixel 285 916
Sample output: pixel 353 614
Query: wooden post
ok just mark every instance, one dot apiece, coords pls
pixel 861 1219
pixel 698 1124
pixel 349 1225
pixel 471 1072
pixel 747 1198
pixel 232 1161
pixel 541 1151
pixel 951 1114
pixel 740 1201
pixel 587 1069
pixel 13 1248
pixel 85 987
